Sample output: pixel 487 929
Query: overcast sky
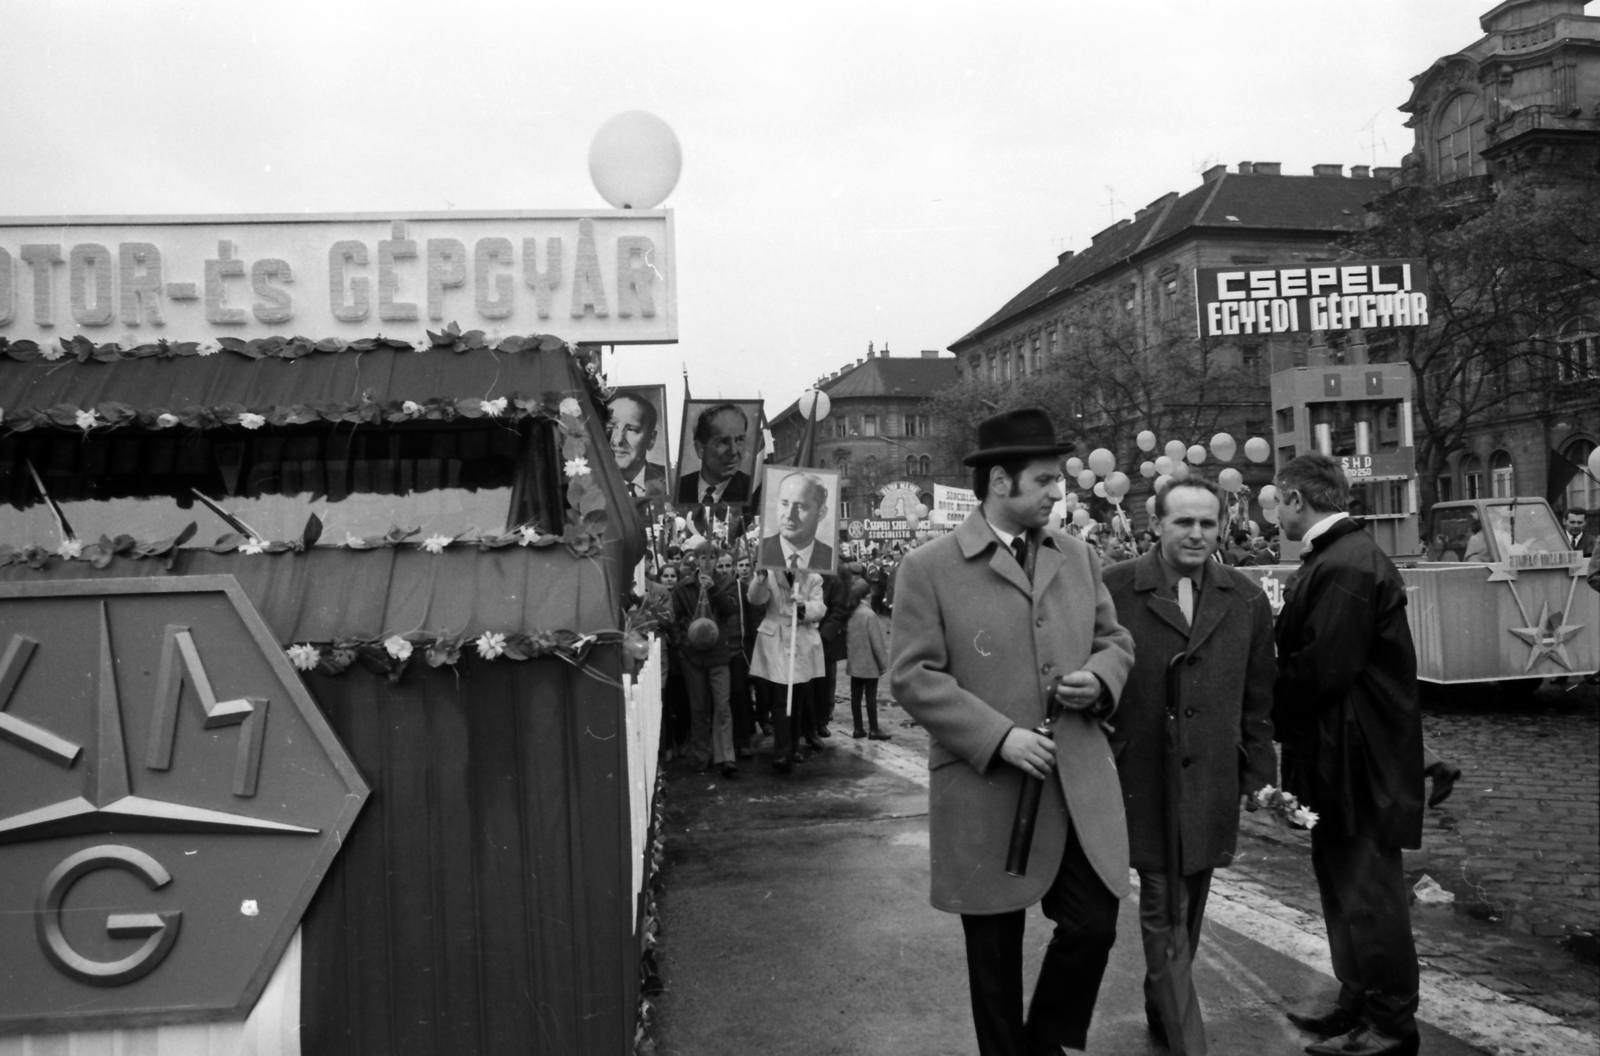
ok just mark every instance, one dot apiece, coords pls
pixel 855 171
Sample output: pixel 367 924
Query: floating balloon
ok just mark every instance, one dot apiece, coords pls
pixel 1196 454
pixel 920 510
pixel 1594 462
pixel 1150 507
pixel 1268 497
pixel 1163 480
pixel 1164 464
pixel 1147 469
pixel 679 523
pixel 1102 461
pixel 1176 449
pixel 1080 516
pixel 1071 499
pixel 1223 447
pixel 634 160
pixel 1271 515
pixel 1257 449
pixel 1230 480
pixel 1086 479
pixel 1180 471
pixel 817 397
pixel 1074 466
pixel 1100 490
pixel 1117 485
pixel 1147 440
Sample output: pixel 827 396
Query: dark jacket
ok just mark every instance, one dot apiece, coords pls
pixel 836 590
pixel 1225 693
pixel 1345 703
pixel 724 604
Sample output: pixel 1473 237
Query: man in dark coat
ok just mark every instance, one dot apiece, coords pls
pixel 705 667
pixel 1345 708
pixel 1177 602
pixel 994 620
pixel 836 589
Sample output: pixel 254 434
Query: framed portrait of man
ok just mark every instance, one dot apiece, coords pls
pixel 799 519
pixel 634 419
pixel 719 453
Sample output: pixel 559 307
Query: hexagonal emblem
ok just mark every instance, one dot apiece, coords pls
pixel 170 797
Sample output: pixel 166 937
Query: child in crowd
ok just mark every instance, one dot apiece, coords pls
pixel 868 658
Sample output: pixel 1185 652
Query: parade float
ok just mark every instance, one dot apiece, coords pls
pixel 324 729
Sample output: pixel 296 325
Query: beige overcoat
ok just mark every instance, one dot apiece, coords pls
pixel 973 652
pixel 770 658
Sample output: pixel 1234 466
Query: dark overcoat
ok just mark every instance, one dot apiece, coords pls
pixel 973 652
pixel 1224 725
pixel 1345 703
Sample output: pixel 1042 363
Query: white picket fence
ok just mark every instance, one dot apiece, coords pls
pixel 643 700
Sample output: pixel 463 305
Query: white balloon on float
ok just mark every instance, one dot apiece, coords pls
pixel 1073 467
pixel 1100 490
pixel 1223 447
pixel 1176 449
pixel 1147 440
pixel 1164 464
pixel 1102 461
pixel 635 160
pixel 1230 480
pixel 1086 479
pixel 1196 454
pixel 1257 449
pixel 1117 485
pixel 1271 515
pixel 1180 471
pixel 1268 497
pixel 1147 469
pixel 1080 516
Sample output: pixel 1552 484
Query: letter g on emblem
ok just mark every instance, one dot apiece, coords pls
pixel 159 929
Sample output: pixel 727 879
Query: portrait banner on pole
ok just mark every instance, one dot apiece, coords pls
pixel 799 519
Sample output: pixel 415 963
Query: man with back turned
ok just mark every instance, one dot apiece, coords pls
pixel 990 623
pixel 1345 709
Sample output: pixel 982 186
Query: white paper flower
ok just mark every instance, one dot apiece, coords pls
pixel 354 540
pixel 578 467
pixel 397 647
pixel 411 407
pixel 167 421
pixel 435 544
pixel 490 644
pixel 208 348
pixel 528 534
pixel 88 419
pixel 423 343
pixel 250 908
pixel 252 421
pixel 252 546
pixel 570 407
pixel 70 548
pixel 495 407
pixel 1305 817
pixel 303 657
pixel 51 352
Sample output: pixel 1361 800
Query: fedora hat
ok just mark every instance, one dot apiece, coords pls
pixel 1016 434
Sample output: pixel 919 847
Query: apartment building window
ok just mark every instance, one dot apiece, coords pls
pixel 994 366
pixel 869 425
pixel 1005 367
pixel 1255 427
pixel 917 425
pixel 1250 361
pixel 1050 344
pixel 925 466
pixel 1472 477
pixel 1459 138
pixel 1502 477
pixel 1579 346
pixel 1033 354
pixel 1584 491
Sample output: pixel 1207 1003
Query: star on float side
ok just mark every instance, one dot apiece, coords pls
pixel 1548 638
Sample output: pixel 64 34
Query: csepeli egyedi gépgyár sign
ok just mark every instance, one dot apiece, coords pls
pixel 1299 298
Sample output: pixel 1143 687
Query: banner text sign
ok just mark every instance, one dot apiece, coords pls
pixel 1286 299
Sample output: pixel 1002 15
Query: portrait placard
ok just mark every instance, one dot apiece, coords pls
pixel 634 420
pixel 719 452
pixel 799 519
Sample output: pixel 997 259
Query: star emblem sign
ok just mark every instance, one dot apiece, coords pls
pixel 1548 638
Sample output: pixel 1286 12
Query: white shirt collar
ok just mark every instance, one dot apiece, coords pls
pixel 789 552
pixel 1321 527
pixel 1004 536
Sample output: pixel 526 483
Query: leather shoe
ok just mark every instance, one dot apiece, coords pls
pixel 1366 1041
pixel 783 766
pixel 1336 1020
pixel 878 735
pixel 823 731
pixel 1445 777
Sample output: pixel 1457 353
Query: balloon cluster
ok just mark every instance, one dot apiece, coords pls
pixel 1176 458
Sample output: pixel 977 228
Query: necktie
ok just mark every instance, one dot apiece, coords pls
pixel 710 491
pixel 1186 597
pixel 794 562
pixel 1019 549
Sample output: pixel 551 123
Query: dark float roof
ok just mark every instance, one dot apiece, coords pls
pixel 1229 202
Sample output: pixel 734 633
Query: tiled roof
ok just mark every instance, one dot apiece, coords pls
pixel 1229 202
pixel 883 376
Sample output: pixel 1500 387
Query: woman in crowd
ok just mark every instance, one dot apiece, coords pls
pixel 868 659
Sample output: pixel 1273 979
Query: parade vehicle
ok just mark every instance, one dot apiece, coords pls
pixel 1494 595
pixel 323 725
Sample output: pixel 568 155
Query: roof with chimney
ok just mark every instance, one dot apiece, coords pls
pixel 882 376
pixel 1258 200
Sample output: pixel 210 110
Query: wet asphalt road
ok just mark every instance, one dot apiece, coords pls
pixel 795 920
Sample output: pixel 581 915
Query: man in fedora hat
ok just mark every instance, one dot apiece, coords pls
pixel 993 622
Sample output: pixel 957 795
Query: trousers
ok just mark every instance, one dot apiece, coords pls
pixel 710 718
pixel 1169 995
pixel 1366 907
pixel 867 688
pixel 1085 916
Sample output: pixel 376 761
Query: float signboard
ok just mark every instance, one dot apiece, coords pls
pixel 1299 298
pixel 598 277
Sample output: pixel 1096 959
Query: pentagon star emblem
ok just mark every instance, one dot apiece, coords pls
pixel 1548 638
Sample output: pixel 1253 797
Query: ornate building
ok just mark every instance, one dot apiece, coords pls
pixel 878 430
pixel 1521 105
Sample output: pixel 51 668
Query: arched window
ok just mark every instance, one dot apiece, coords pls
pixel 925 466
pixel 1502 476
pixel 1458 138
pixel 1579 345
pixel 1582 492
pixel 911 465
pixel 1471 477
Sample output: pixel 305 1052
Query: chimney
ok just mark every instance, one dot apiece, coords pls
pixel 1360 172
pixel 1064 256
pixel 1213 174
pixel 1327 170
pixel 1269 168
pixel 930 353
pixel 885 353
pixel 1118 226
pixel 1246 169
pixel 859 362
pixel 1385 172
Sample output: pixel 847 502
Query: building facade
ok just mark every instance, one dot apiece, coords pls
pixel 1521 105
pixel 878 430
